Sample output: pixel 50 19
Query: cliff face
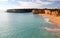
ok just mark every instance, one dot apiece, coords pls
pixel 54 12
pixel 38 11
pixel 35 11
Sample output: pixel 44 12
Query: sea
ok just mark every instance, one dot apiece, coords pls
pixel 24 25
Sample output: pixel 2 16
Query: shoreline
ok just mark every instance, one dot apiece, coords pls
pixel 49 21
pixel 53 19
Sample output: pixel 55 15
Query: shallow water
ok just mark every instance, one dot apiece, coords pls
pixel 24 25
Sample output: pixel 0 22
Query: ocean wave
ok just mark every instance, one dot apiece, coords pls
pixel 52 29
pixel 48 21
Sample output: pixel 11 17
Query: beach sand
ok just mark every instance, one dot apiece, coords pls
pixel 53 19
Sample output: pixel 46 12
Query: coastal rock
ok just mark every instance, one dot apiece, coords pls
pixel 35 11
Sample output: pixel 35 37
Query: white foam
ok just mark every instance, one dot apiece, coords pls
pixel 48 20
pixel 52 30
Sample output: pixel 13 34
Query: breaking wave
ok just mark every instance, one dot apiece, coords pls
pixel 47 20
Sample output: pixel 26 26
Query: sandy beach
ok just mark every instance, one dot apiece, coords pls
pixel 54 19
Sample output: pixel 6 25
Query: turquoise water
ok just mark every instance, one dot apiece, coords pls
pixel 23 25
